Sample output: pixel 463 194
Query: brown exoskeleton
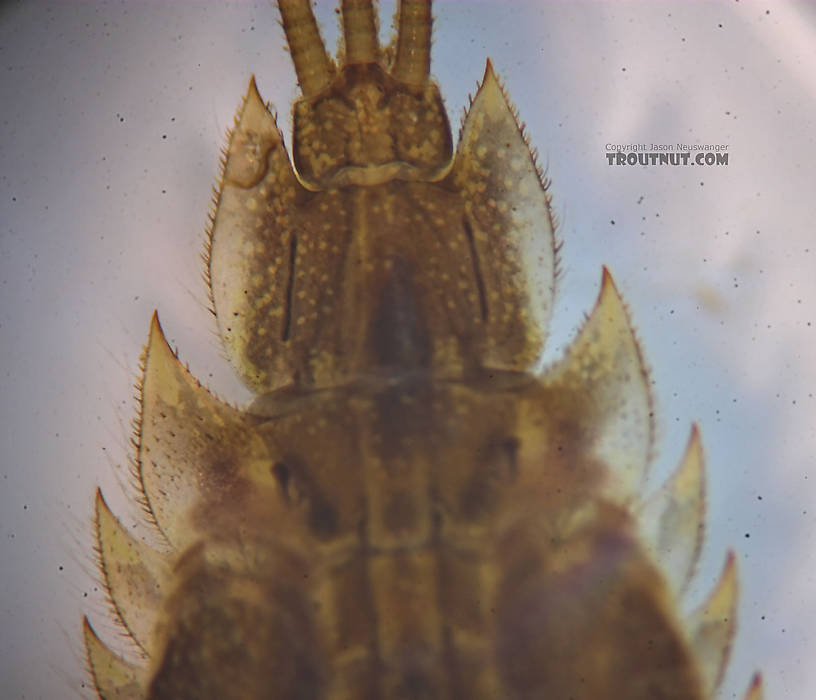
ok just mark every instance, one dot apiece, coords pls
pixel 408 509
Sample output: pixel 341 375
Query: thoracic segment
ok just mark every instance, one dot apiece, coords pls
pixel 408 509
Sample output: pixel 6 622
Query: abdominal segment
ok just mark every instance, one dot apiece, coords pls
pixel 411 507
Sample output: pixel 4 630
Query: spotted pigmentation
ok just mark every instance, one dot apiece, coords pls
pixel 409 508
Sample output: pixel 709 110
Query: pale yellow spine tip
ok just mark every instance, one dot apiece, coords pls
pixel 156 334
pixel 606 279
pixel 252 88
pixel 755 690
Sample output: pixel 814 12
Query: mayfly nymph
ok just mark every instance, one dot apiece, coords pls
pixel 409 508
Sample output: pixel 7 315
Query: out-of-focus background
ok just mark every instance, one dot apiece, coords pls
pixel 112 115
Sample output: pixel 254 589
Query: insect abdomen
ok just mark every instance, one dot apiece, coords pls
pixel 409 509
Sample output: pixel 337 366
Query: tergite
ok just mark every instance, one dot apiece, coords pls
pixel 410 508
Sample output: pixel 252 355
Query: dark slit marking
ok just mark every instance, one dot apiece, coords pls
pixel 290 290
pixel 300 491
pixel 477 270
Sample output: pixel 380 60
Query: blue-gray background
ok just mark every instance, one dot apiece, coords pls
pixel 112 115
